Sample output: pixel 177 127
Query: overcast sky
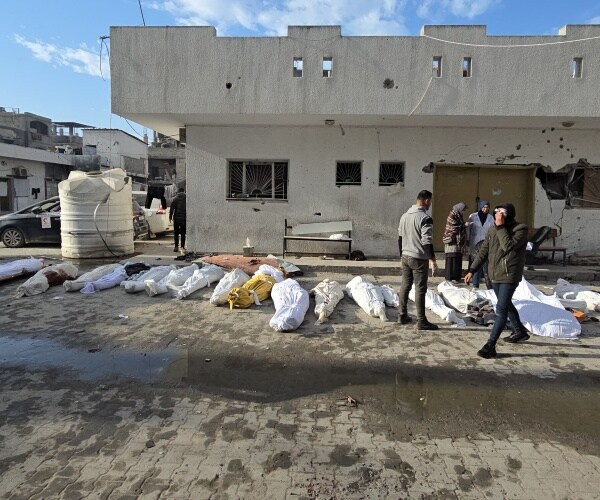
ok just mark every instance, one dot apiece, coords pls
pixel 55 64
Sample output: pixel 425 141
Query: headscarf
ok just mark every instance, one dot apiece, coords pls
pixel 455 226
pixel 483 217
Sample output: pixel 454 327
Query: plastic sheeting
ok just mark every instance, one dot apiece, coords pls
pixel 291 303
pixel 137 282
pixel 544 315
pixel 105 282
pixel 200 279
pixel 45 278
pixel 93 275
pixel 327 295
pixel 254 291
pixel 233 279
pixel 20 267
pixel 574 291
pixel 459 298
pixel 390 297
pixel 367 296
pixel 435 303
pixel 270 271
pixel 177 277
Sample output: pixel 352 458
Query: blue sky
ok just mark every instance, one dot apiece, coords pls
pixel 54 64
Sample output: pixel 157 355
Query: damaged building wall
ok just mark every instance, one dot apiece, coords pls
pixel 217 223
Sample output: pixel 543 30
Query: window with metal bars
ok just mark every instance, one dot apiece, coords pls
pixel 391 172
pixel 263 179
pixel 348 173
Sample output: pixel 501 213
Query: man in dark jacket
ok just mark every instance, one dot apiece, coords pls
pixel 504 249
pixel 177 216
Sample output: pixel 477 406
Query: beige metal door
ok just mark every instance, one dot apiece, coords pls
pixel 469 184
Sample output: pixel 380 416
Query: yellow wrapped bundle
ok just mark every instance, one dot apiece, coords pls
pixel 254 291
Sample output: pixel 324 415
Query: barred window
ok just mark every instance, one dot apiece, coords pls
pixel 262 179
pixel 391 172
pixel 348 173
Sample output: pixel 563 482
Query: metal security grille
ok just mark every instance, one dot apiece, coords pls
pixel 258 179
pixel 348 173
pixel 391 173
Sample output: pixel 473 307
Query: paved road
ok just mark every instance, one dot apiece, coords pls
pixel 186 400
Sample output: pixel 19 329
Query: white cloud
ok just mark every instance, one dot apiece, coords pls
pixel 272 17
pixel 594 20
pixel 433 9
pixel 80 60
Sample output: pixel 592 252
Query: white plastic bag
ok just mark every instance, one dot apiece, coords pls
pixel 107 281
pixel 390 297
pixel 460 298
pixel 233 279
pixel 367 296
pixel 45 278
pixel 291 303
pixel 93 275
pixel 574 291
pixel 209 273
pixel 327 295
pixel 436 305
pixel 176 278
pixel 19 267
pixel 137 283
pixel 270 271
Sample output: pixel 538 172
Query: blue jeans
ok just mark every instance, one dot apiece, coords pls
pixel 504 309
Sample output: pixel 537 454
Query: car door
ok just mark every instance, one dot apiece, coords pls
pixel 44 223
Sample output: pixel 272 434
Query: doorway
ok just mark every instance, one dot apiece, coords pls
pixel 470 184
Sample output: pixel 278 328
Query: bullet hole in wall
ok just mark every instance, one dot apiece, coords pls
pixel 228 85
pixel 561 146
pixel 552 129
pixel 560 138
pixel 548 141
pixel 543 131
pixel 317 213
pixel 256 209
pixel 388 83
pixel 518 147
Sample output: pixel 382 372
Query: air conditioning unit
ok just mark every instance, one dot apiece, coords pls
pixel 19 172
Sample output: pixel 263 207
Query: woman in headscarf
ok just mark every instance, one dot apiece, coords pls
pixel 477 227
pixel 455 241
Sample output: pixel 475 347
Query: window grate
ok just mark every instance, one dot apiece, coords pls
pixel 391 172
pixel 348 173
pixel 258 179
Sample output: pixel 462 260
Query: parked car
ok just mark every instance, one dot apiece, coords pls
pixel 158 217
pixel 40 223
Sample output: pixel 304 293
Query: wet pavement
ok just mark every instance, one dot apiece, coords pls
pixel 187 400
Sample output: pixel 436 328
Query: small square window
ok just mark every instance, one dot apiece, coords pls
pixel 348 173
pixel 391 173
pixel 577 67
pixel 436 66
pixel 467 67
pixel 298 67
pixel 327 67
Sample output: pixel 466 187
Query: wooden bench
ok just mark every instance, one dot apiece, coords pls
pixel 301 232
pixel 553 248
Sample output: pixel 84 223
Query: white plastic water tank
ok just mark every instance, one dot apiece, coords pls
pixel 96 216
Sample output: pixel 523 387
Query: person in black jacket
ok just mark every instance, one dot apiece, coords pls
pixel 504 249
pixel 177 216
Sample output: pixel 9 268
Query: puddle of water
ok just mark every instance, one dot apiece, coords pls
pixel 42 354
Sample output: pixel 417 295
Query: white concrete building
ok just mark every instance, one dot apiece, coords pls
pixel 29 175
pixel 317 126
pixel 118 149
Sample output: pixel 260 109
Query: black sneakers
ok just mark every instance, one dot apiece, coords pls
pixel 176 249
pixel 487 351
pixel 517 337
pixel 404 319
pixel 426 325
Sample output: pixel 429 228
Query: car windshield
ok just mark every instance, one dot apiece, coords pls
pixel 45 206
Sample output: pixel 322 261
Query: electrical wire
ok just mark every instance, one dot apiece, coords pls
pixel 503 46
pixel 103 43
pixel 142 12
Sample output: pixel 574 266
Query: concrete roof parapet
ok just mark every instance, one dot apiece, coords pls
pixel 314 32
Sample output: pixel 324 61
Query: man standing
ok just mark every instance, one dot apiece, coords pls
pixel 177 216
pixel 504 249
pixel 415 238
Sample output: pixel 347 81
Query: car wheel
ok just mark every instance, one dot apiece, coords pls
pixel 13 237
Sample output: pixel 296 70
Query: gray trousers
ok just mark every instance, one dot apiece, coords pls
pixel 414 271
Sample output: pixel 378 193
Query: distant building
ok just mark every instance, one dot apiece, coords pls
pixel 166 160
pixel 25 129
